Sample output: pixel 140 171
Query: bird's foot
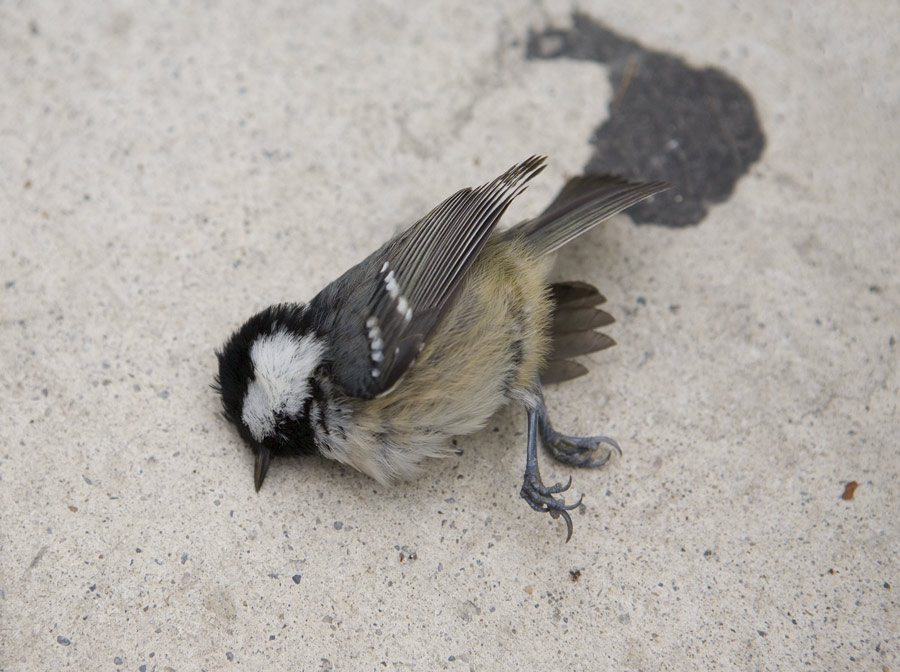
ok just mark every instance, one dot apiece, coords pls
pixel 578 451
pixel 540 498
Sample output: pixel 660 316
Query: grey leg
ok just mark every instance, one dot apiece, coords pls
pixel 539 496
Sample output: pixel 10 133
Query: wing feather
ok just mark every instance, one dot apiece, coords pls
pixel 387 306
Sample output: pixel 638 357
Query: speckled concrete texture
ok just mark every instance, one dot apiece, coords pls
pixel 165 171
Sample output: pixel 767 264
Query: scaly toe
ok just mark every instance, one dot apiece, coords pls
pixel 578 451
pixel 540 498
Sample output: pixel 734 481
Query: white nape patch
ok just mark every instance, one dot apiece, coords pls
pixel 282 364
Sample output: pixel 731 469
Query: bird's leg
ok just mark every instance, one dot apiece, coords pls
pixel 539 496
pixel 577 451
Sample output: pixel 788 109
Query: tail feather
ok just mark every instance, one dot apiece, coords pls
pixel 562 370
pixel 575 317
pixel 580 343
pixel 583 203
pixel 576 294
pixel 580 319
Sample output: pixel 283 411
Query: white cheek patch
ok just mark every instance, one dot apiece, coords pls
pixel 282 364
pixel 257 412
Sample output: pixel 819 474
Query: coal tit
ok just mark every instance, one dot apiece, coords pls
pixel 427 337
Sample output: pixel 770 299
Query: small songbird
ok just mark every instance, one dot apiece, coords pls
pixel 427 337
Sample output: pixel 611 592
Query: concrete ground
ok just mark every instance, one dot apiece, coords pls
pixel 166 171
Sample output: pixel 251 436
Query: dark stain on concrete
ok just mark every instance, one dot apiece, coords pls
pixel 694 127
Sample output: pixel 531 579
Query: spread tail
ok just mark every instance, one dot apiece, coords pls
pixel 575 317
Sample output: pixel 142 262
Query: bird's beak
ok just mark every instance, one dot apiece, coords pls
pixel 263 457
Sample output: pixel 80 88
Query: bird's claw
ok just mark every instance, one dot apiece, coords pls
pixel 540 498
pixel 578 451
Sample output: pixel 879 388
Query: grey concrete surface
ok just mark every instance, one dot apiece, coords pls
pixel 167 170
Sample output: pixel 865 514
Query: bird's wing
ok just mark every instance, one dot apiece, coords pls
pixel 385 308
